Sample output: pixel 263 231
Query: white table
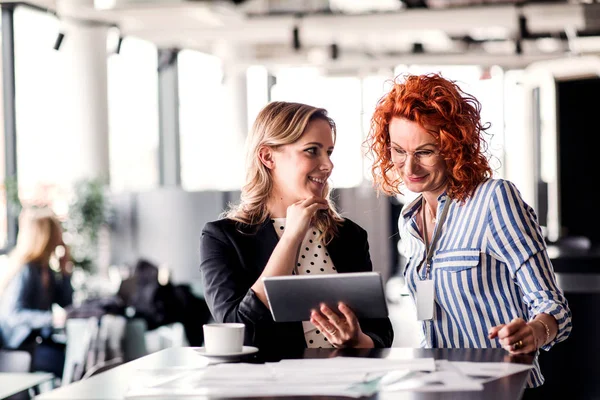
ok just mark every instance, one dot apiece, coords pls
pixel 114 383
pixel 14 382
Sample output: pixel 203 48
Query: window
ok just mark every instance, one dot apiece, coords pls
pixel 211 149
pixel 3 198
pixel 373 88
pixel 341 96
pixel 258 91
pixel 133 116
pixel 44 163
pixel 517 153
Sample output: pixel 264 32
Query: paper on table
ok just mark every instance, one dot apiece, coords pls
pixel 488 371
pixel 347 364
pixel 446 378
pixel 258 382
pixel 270 372
pixel 263 391
pixel 343 376
pixel 247 375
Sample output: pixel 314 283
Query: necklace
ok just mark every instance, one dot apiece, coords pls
pixel 433 219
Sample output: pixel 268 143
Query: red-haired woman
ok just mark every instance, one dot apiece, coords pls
pixel 477 266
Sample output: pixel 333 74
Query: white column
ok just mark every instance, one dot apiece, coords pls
pixel 236 94
pixel 168 102
pixel 232 56
pixel 86 110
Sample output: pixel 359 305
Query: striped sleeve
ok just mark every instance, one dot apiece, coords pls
pixel 515 236
pixel 513 230
pixel 542 295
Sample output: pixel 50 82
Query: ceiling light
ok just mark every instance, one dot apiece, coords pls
pixel 59 40
pixel 362 6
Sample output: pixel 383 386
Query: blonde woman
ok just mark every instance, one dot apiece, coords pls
pixel 286 224
pixel 30 286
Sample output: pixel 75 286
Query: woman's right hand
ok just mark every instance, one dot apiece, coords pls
pixel 59 317
pixel 64 262
pixel 300 214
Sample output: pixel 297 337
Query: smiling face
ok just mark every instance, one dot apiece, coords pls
pixel 300 170
pixel 423 170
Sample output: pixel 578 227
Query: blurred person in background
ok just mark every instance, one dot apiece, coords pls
pixel 30 287
pixel 286 224
pixel 477 265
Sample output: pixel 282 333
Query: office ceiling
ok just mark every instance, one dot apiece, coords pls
pixel 353 34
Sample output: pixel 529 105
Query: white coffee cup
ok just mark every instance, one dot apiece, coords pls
pixel 225 338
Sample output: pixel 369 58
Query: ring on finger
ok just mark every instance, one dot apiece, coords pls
pixel 332 332
pixel 518 345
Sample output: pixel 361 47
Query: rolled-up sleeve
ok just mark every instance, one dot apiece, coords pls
pixel 542 295
pixel 517 239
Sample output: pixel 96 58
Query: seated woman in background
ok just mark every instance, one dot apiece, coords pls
pixel 477 261
pixel 286 214
pixel 30 287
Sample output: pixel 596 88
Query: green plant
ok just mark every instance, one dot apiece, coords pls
pixel 89 211
pixel 13 202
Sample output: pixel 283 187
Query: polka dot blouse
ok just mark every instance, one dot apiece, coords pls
pixel 312 259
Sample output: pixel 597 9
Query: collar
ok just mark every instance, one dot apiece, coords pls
pixel 411 209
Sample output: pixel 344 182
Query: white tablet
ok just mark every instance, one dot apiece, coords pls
pixel 291 298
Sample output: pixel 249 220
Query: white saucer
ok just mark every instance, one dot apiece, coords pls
pixel 246 350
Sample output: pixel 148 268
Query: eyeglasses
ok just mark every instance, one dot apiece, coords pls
pixel 427 158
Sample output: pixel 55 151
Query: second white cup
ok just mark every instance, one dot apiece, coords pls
pixel 224 338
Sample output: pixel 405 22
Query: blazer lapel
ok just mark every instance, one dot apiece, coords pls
pixel 265 241
pixel 339 254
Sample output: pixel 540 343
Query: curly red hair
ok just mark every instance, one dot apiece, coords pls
pixel 453 119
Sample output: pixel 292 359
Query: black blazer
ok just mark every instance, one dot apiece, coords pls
pixel 232 257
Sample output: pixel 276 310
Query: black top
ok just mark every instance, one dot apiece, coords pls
pixel 232 257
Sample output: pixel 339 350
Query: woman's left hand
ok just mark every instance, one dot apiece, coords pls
pixel 340 330
pixel 516 337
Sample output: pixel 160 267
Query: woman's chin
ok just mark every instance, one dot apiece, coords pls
pixel 317 193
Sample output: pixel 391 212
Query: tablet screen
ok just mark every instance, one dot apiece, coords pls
pixel 292 298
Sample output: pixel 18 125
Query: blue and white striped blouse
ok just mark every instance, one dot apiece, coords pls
pixel 489 266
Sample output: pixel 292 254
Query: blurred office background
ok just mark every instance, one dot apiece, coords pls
pixel 155 97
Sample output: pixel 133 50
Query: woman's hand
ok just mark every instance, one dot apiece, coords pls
pixel 64 262
pixel 516 337
pixel 285 256
pixel 300 214
pixel 340 330
pixel 59 317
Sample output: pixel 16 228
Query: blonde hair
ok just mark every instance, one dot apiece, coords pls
pixel 40 232
pixel 278 124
